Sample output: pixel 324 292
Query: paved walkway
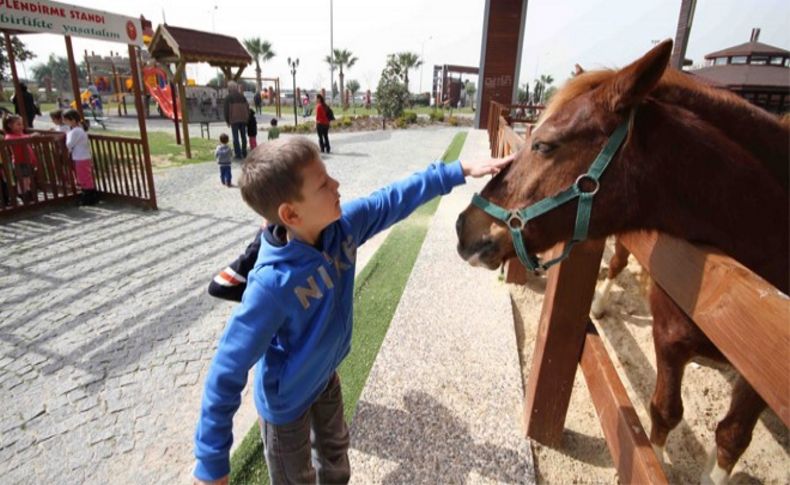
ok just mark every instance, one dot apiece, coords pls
pixel 106 330
pixel 443 403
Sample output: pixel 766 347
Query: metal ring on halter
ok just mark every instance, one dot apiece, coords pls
pixel 587 177
pixel 515 216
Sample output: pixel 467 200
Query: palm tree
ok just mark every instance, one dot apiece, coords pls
pixel 408 61
pixel 353 87
pixel 261 51
pixel 341 58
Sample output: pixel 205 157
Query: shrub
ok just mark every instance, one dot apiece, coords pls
pixel 346 121
pixel 452 120
pixel 437 116
pixel 409 116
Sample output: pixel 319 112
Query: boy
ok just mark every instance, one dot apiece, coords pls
pixel 57 119
pixel 274 132
pixel 294 321
pixel 223 154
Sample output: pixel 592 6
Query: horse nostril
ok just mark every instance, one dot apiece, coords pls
pixel 459 225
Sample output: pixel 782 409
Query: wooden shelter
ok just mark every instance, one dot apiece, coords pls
pixel 121 165
pixel 181 46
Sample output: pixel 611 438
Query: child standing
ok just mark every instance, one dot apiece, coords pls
pixel 80 149
pixel 294 322
pixel 274 132
pixel 24 158
pixel 252 130
pixel 224 154
pixel 57 119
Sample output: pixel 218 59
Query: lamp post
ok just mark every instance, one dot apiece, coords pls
pixel 293 64
pixel 422 59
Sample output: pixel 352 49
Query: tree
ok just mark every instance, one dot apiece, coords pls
pixel 539 91
pixel 408 61
pixel 20 54
pixel 341 58
pixel 353 86
pixel 391 93
pixel 523 94
pixel 261 51
pixel 56 70
pixel 470 89
pixel 218 81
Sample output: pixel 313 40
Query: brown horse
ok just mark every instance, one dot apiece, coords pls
pixel 698 163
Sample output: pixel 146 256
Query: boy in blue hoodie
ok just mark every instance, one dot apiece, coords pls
pixel 294 320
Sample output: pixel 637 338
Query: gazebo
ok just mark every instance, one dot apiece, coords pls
pixel 181 46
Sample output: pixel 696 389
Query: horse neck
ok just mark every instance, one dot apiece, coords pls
pixel 694 182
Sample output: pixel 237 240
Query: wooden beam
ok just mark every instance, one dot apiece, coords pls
pixel 561 334
pixel 633 456
pixel 75 83
pixel 746 317
pixel 19 100
pixel 237 76
pixel 181 73
pixel 138 106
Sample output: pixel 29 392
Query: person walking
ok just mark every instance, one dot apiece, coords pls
pixel 237 112
pixel 323 117
pixel 31 109
pixel 258 100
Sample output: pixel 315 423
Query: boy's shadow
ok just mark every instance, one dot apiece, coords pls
pixel 431 445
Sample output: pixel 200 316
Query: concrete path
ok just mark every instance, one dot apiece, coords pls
pixel 443 402
pixel 106 330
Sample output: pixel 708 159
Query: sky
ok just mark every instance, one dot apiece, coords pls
pixel 558 33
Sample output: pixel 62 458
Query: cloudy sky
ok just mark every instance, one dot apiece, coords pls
pixel 559 33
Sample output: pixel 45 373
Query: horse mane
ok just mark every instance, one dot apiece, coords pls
pixel 763 134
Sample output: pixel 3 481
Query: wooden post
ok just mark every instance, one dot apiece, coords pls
pixel 20 102
pixel 181 83
pixel 138 104
pixel 277 94
pixel 75 84
pixel 175 111
pixel 561 333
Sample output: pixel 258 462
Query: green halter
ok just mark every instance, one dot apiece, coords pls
pixel 516 220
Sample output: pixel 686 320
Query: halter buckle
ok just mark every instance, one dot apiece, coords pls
pixel 586 176
pixel 515 217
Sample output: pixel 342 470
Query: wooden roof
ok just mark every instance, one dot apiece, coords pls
pixel 174 44
pixel 749 49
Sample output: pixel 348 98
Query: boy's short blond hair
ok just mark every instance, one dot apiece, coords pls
pixel 272 174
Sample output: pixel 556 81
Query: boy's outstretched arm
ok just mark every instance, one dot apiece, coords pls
pixel 386 206
pixel 230 283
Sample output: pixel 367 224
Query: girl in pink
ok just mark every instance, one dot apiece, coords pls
pixel 80 149
pixel 25 161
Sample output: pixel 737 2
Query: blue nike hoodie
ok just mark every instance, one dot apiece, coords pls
pixel 294 320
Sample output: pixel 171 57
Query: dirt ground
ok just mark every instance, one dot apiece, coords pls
pixel 627 327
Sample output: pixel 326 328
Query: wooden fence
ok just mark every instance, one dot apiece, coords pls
pixel 121 172
pixel 743 315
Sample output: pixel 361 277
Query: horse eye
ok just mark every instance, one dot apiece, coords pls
pixel 542 147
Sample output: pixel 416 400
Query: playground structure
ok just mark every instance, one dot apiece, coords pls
pixel 446 89
pixel 178 46
pixel 122 165
pixel 271 94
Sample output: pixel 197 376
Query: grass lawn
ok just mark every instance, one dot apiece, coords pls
pixel 377 293
pixel 166 153
pixel 420 110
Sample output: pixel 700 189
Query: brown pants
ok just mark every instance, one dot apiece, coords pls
pixel 313 446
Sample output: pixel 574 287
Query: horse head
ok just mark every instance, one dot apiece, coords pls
pixel 573 130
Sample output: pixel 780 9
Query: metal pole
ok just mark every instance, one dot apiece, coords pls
pixel 331 50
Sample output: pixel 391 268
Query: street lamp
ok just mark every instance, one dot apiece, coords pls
pixel 422 59
pixel 293 64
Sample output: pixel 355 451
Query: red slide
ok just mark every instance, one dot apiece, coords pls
pixel 155 81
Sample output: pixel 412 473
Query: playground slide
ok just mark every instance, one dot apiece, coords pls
pixel 155 81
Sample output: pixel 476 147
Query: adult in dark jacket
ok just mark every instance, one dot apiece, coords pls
pixel 237 112
pixel 31 110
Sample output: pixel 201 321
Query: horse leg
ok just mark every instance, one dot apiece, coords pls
pixel 616 265
pixel 734 433
pixel 674 342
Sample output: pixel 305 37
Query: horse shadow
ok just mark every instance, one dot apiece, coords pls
pixel 431 445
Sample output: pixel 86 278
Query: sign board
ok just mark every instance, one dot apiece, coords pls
pixel 205 104
pixel 63 19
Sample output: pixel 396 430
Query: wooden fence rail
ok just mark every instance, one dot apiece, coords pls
pixel 742 314
pixel 121 171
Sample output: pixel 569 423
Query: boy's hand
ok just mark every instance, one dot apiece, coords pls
pixel 491 166
pixel 221 481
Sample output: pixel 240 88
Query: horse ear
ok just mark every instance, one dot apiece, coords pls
pixel 632 83
pixel 577 69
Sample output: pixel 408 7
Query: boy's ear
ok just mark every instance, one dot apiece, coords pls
pixel 288 215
